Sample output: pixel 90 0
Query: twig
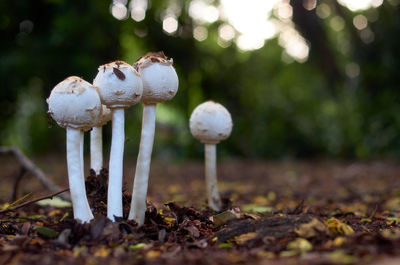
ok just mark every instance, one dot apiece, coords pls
pixel 33 201
pixel 30 167
pixel 18 179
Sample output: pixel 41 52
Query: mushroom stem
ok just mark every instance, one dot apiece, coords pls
pixel 140 184
pixel 81 139
pixel 76 180
pixel 96 149
pixel 114 196
pixel 214 200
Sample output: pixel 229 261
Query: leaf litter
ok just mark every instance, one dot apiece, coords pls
pixel 352 228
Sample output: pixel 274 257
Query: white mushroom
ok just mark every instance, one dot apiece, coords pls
pixel 160 83
pixel 75 104
pixel 210 123
pixel 96 140
pixel 119 87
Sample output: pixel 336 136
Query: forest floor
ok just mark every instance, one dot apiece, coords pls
pixel 287 212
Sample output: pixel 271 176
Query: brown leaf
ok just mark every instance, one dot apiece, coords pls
pixel 193 231
pixel 119 73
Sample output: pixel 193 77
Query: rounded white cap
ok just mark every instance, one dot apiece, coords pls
pixel 210 123
pixel 74 103
pixel 119 85
pixel 160 81
pixel 105 116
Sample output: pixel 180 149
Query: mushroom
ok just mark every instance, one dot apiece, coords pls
pixel 96 140
pixel 120 87
pixel 210 123
pixel 160 83
pixel 75 104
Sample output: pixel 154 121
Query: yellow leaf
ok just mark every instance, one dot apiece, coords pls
pixel 339 241
pixel 137 246
pixel 339 256
pixel 102 252
pixel 78 250
pixel 5 206
pixel 300 244
pixel 37 240
pixel 170 221
pixel 18 201
pixel 391 234
pixel 310 229
pixel 64 216
pixel 153 254
pixel 288 253
pixel 225 245
pixel 244 237
pixel 266 254
pixel 338 227
pixel 54 212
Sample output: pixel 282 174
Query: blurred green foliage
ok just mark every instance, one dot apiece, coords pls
pixel 280 108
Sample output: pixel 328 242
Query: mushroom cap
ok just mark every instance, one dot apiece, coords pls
pixel 119 85
pixel 160 81
pixel 210 123
pixel 74 103
pixel 104 117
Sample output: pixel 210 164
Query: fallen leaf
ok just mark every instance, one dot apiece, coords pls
pixel 153 254
pixel 256 208
pixel 193 231
pixel 339 241
pixel 225 245
pixel 338 227
pixel 391 234
pixel 341 257
pixel 137 246
pixel 288 253
pixel 37 240
pixel 244 237
pixel 55 202
pixel 300 244
pixel 102 252
pixel 311 229
pixel 45 232
pixel 223 218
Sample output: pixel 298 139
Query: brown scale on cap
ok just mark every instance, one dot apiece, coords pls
pixel 154 57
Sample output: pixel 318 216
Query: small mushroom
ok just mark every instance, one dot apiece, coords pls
pixel 210 123
pixel 75 104
pixel 160 83
pixel 120 87
pixel 96 140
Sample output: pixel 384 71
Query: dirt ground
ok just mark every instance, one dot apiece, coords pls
pixel 275 212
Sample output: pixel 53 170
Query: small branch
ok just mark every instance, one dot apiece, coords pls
pixel 30 167
pixel 33 201
pixel 18 179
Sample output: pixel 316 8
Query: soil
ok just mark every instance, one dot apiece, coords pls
pixel 315 212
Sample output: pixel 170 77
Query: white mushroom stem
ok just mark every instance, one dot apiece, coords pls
pixel 114 196
pixel 140 184
pixel 214 200
pixel 96 149
pixel 76 179
pixel 81 139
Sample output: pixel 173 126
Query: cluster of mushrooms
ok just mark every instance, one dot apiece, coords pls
pixel 79 106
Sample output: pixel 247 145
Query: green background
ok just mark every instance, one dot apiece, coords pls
pixel 280 109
